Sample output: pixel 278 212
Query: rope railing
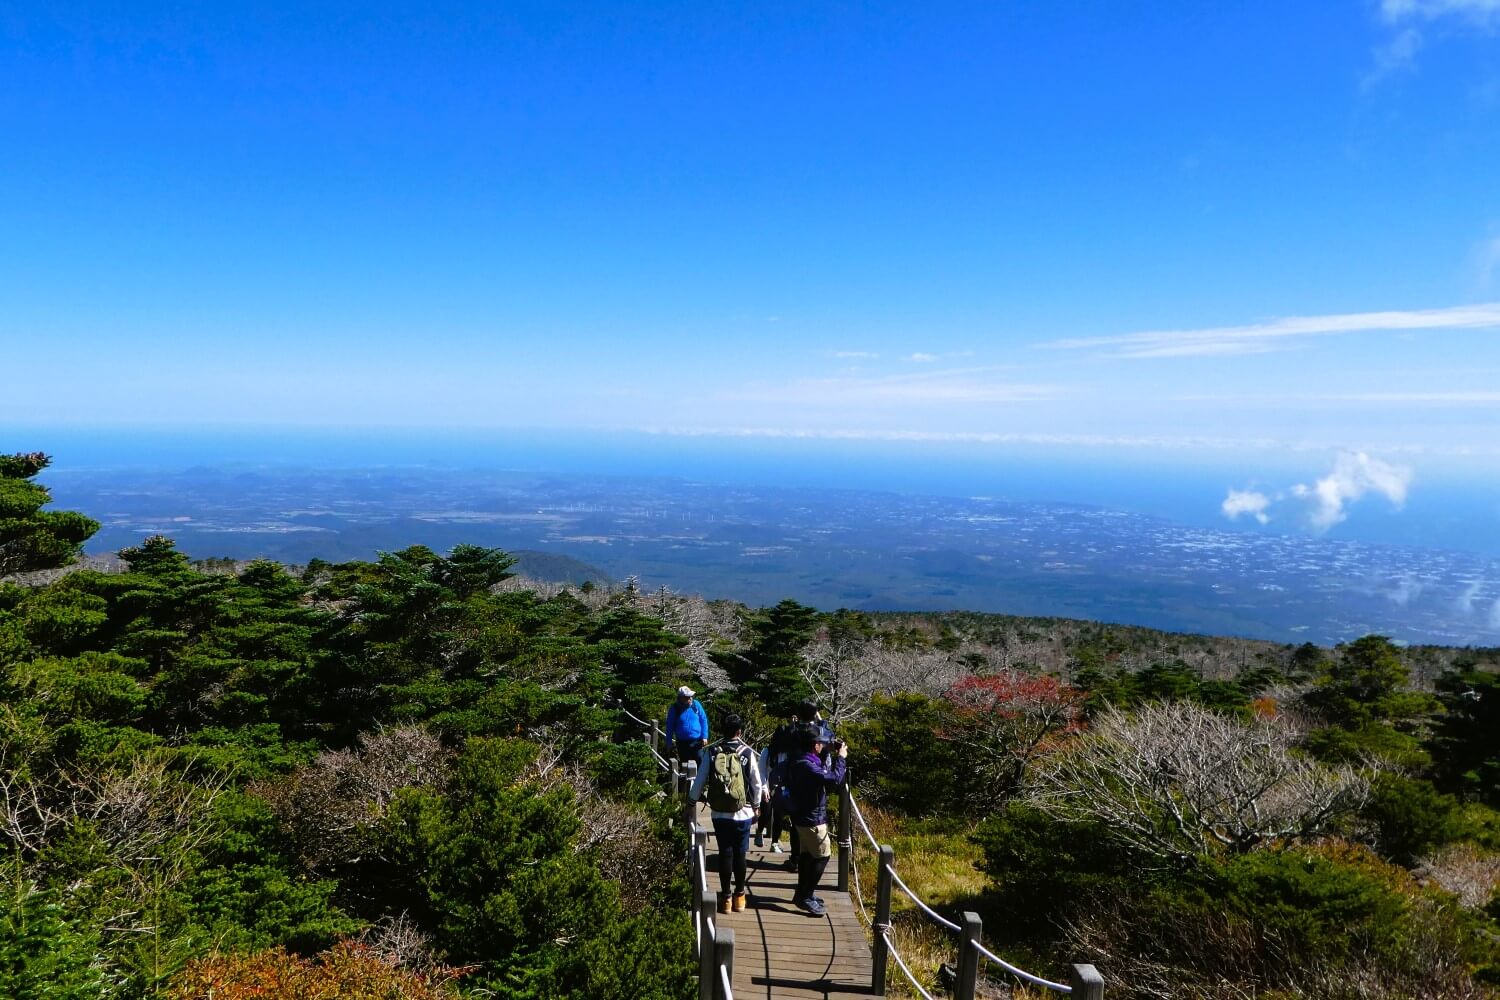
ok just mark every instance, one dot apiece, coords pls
pixel 714 945
pixel 1021 973
pixel 935 915
pixel 860 818
pixel 900 964
pixel 652 733
pixel 1085 980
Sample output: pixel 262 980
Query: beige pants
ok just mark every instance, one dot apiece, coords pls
pixel 814 840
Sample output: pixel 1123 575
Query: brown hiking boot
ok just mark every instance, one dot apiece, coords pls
pixel 723 902
pixel 740 902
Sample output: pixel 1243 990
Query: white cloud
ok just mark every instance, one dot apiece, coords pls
pixel 1354 475
pixel 1248 502
pixel 866 355
pixel 1487 261
pixel 1394 56
pixel 1277 334
pixel 1398 11
pixel 1495 614
pixel 950 385
pixel 1408 16
pixel 1458 397
pixel 1465 602
pixel 1324 503
pixel 920 357
pixel 1407 590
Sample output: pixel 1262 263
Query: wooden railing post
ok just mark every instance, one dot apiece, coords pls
pixel 708 902
pixel 723 957
pixel 654 736
pixel 689 778
pixel 968 957
pixel 846 835
pixel 674 785
pixel 700 851
pixel 1086 982
pixel 884 885
pixel 695 877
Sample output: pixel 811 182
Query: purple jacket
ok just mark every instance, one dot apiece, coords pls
pixel 809 783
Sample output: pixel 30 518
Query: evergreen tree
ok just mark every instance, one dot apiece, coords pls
pixel 31 538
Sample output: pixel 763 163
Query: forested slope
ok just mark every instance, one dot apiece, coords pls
pixel 411 778
pixel 203 764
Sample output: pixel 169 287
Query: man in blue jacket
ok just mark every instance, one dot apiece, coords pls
pixel 687 726
pixel 809 782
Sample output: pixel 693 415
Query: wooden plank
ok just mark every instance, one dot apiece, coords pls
pixel 781 953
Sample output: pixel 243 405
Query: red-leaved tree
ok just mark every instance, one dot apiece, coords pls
pixel 1006 720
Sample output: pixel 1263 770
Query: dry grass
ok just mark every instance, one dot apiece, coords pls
pixel 941 864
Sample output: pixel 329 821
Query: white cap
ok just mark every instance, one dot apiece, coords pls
pixel 684 692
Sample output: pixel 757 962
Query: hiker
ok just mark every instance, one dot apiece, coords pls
pixel 729 781
pixel 774 760
pixel 810 781
pixel 687 726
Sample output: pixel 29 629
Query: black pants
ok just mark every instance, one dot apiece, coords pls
pixel 773 821
pixel 810 870
pixel 686 750
pixel 733 836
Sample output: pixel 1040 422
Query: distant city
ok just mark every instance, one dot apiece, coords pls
pixel 828 548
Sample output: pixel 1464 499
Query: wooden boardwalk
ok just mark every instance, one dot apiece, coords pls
pixel 782 953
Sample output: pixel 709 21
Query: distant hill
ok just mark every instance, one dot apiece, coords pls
pixel 556 568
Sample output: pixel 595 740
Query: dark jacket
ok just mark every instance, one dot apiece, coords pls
pixel 780 754
pixel 809 783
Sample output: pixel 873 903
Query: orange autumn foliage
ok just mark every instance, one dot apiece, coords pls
pixel 347 971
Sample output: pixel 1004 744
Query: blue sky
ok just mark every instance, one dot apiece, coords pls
pixel 1251 229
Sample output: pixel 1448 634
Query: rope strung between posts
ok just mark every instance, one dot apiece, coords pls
pixel 635 718
pixel 874 845
pixel 935 915
pixel 1021 973
pixel 902 966
pixel 859 893
pixel 661 761
pixel 932 914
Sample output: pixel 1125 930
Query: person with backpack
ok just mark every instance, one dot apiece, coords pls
pixel 774 760
pixel 687 726
pixel 729 781
pixel 810 781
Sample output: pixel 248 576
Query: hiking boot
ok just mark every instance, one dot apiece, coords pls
pixel 775 849
pixel 723 902
pixel 760 841
pixel 811 907
pixel 740 902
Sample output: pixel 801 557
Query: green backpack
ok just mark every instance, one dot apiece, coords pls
pixel 725 788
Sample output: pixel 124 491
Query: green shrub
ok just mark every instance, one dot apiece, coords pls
pixel 899 758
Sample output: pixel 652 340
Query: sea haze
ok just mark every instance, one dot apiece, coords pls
pixel 869 526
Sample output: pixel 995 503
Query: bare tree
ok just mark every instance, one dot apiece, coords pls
pixel 327 804
pixel 1470 873
pixel 842 677
pixel 1176 780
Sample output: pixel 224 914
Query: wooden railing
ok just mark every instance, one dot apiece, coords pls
pixel 714 945
pixel 1084 981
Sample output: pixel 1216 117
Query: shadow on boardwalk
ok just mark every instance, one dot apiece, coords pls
pixel 781 952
